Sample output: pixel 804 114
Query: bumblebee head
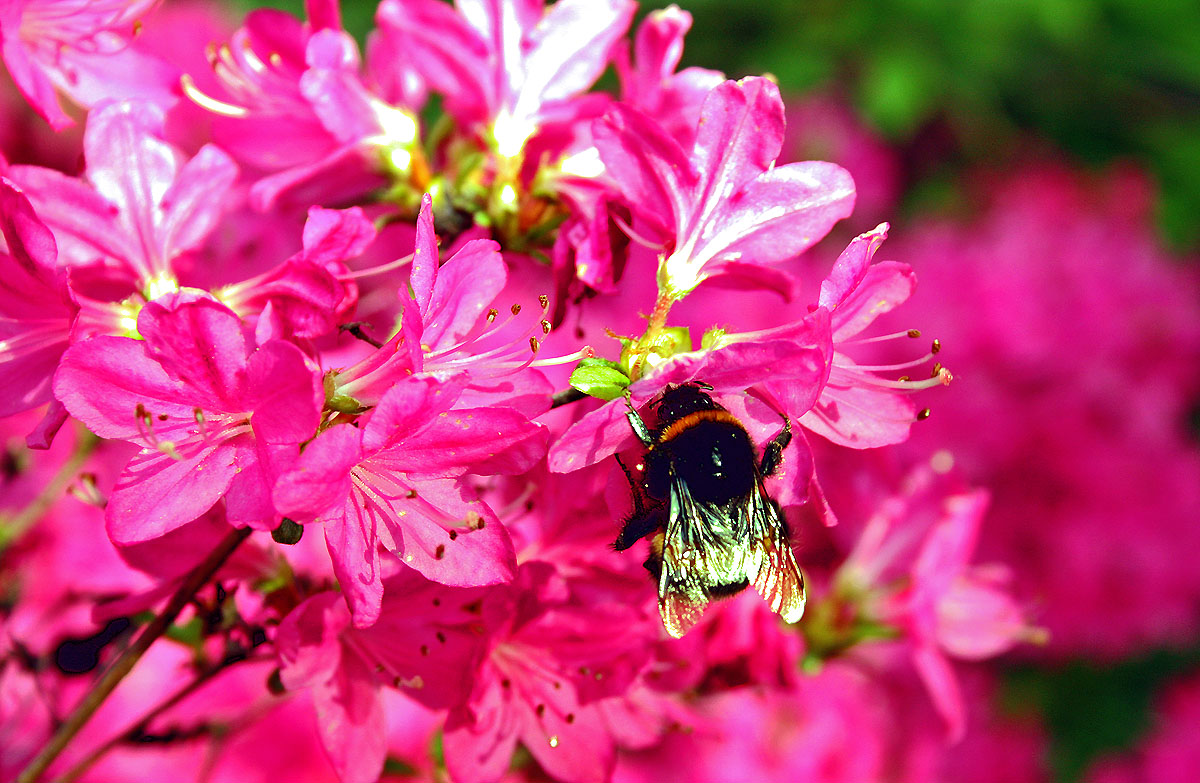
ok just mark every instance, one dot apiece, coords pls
pixel 676 402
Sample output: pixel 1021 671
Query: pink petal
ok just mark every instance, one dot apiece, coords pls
pixel 948 546
pixel 479 748
pixel 483 441
pixel 569 49
pixel 308 641
pixel 780 214
pixel 104 380
pixel 287 393
pixel 29 75
pixel 410 405
pixel 318 483
pixel 351 721
pixel 851 266
pixel 424 270
pixel 938 676
pixel 336 235
pixel 885 286
pixel 861 418
pixel 158 493
pixel 466 284
pixel 978 620
pixel 650 168
pixel 471 557
pixel 447 52
pixel 599 434
pixel 196 200
pixel 740 135
pixel 353 543
pixel 200 342
pixel 28 239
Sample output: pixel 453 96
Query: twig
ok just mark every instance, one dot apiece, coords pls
pixel 565 397
pixel 125 663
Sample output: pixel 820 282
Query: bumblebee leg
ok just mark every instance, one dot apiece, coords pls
pixel 639 427
pixel 654 562
pixel 637 527
pixel 773 453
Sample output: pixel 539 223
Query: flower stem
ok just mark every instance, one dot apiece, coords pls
pixel 125 663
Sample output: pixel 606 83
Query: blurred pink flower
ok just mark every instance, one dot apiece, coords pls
pixel 1077 345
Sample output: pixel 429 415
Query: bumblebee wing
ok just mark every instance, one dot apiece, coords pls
pixel 705 552
pixel 778 580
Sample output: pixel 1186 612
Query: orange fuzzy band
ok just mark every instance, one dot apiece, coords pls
pixel 695 418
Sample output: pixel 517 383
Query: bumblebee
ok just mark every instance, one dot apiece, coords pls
pixel 700 497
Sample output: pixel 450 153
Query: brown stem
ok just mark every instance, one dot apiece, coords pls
pixel 140 728
pixel 125 663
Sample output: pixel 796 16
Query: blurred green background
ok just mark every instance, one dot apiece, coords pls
pixel 957 84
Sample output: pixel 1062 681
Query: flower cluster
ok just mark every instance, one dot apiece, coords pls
pixel 333 377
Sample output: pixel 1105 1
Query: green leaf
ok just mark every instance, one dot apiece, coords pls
pixel 599 378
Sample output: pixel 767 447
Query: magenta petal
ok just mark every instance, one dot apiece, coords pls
pixel 287 393
pixel 31 80
pixel 885 286
pixel 860 417
pixel 318 483
pixel 335 235
pixel 84 224
pixel 948 546
pixel 29 240
pixel 466 285
pixel 308 641
pixel 449 54
pixel 354 548
pixel 483 441
pixel 569 49
pixel 650 168
pixel 104 380
pixel 977 620
pixel 583 751
pixel 158 493
pixel 479 748
pixel 471 557
pixel 424 274
pixel 351 721
pixel 740 136
pixel 599 434
pixel 199 341
pixel 850 267
pixel 938 676
pixel 248 501
pixel 196 199
pixel 781 213
pixel 407 408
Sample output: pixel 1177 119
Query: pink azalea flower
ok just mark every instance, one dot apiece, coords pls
pixel 943 605
pixel 649 82
pixel 726 209
pixel 215 416
pixel 82 49
pixel 507 68
pixel 1093 383
pixel 143 206
pixel 549 665
pixel 312 292
pixel 448 327
pixel 395 483
pixel 426 643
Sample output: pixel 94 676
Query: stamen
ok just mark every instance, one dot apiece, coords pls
pixel 516 309
pixel 635 236
pixel 207 102
pixel 937 346
pixel 544 301
pixel 911 333
pixel 377 270
pixel 923 414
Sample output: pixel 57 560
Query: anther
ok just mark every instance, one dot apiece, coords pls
pixel 923 414
pixel 904 378
pixel 516 309
pixel 937 370
pixel 424 649
pixel 914 332
pixel 570 717
pixel 412 493
pixel 163 417
pixel 545 326
pixel 544 301
pixel 492 313
pixel 453 534
pixel 533 344
pixel 540 710
pixel 937 346
pixel 440 552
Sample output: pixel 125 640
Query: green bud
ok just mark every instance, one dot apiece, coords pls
pixel 288 532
